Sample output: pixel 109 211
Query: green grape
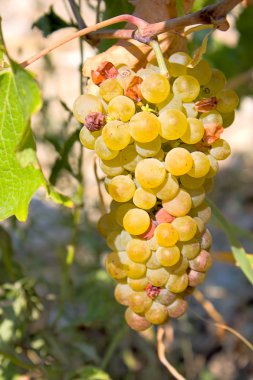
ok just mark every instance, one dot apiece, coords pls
pixel 191 183
pixel 150 173
pixel 133 269
pixel 130 158
pixel 137 284
pixel 202 262
pixel 139 302
pixel 202 72
pixel 166 235
pixel 155 88
pixel 220 149
pixel 144 127
pixel 88 138
pixel 149 149
pixel 201 165
pixel 156 314
pixel 177 283
pixel 180 267
pixel 115 265
pixel 86 104
pixel 214 167
pixel 195 278
pixel 203 212
pixel 153 262
pixel 168 188
pixel 157 277
pixel 173 124
pixel 165 297
pixel 136 221
pixel 216 84
pixel 206 240
pixel 116 135
pixel 177 308
pixel 118 240
pixel 228 118
pixel 189 249
pixel 144 198
pixel 186 87
pixel 177 63
pixel 138 250
pixel 109 89
pixel 122 292
pixel 135 321
pixel 197 196
pixel 121 211
pixel 168 256
pixel 121 107
pixel 194 132
pixel 227 101
pixel 103 151
pixel 180 205
pixel 190 110
pixel 106 224
pixel 112 167
pixel 185 227
pixel 178 161
pixel 121 188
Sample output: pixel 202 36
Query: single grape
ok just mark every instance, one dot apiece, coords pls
pixel 122 292
pixel 135 321
pixel 153 262
pixel 121 107
pixel 137 284
pixel 156 314
pixel 103 151
pixel 88 138
pixel 109 89
pixel 227 101
pixel 206 240
pixel 144 127
pixel 201 165
pixel 138 250
pixel 215 84
pixel 157 277
pixel 195 278
pixel 86 104
pixel 144 198
pixel 191 183
pixel 185 226
pixel 121 211
pixel 202 72
pixel 139 302
pixel 106 224
pixel 116 135
pixel 168 256
pixel 173 124
pixel 202 262
pixel 194 132
pixel 189 249
pixel 121 188
pixel 203 212
pixel 149 149
pixel 165 297
pixel 178 161
pixel 220 149
pixel 136 221
pixel 177 63
pixel 115 265
pixel 112 167
pixel 117 240
pixel 155 88
pixel 168 188
pixel 150 173
pixel 130 158
pixel 197 196
pixel 186 87
pixel 177 308
pixel 180 205
pixel 166 235
pixel 177 283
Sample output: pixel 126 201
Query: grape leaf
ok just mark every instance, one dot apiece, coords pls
pixel 20 173
pixel 238 251
pixel 50 22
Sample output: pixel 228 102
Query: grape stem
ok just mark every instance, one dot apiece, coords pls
pixel 212 14
pixel 159 56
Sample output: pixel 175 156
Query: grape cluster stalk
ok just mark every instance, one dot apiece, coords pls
pixel 158 141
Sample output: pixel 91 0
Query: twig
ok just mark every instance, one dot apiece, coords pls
pixel 101 198
pixel 213 14
pixel 75 9
pixel 98 11
pixel 210 309
pixel 161 352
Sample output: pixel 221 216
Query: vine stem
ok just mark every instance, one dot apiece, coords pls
pixel 212 14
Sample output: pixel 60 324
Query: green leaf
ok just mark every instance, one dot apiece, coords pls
pixel 60 198
pixel 238 251
pixel 50 22
pixel 180 8
pixel 20 174
pixel 90 373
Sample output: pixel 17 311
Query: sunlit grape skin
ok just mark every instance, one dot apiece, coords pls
pixel 159 144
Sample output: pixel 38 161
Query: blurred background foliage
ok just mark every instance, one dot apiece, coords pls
pixel 58 317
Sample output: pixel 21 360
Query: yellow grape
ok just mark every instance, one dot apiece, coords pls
pixel 121 211
pixel 121 107
pixel 214 166
pixel 178 161
pixel 168 188
pixel 186 87
pixel 88 138
pixel 220 149
pixel 166 235
pixel 136 321
pixel 116 135
pixel 201 165
pixel 180 205
pixel 139 302
pixel 103 151
pixel 138 250
pixel 86 104
pixel 109 89
pixel 137 284
pixel 190 249
pixel 168 256
pixel 122 292
pixel 121 188
pixel 186 227
pixel 197 196
pixel 150 173
pixel 157 314
pixel 115 265
pixel 177 283
pixel 194 132
pixel 112 167
pixel 190 182
pixel 158 277
pixel 106 224
pixel 149 149
pixel 134 270
pixel 155 88
pixel 177 63
pixel 202 72
pixel 215 84
pixel 144 198
pixel 144 127
pixel 173 124
pixel 130 158
pixel 136 221
pixel 227 101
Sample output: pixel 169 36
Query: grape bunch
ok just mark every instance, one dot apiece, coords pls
pixel 158 141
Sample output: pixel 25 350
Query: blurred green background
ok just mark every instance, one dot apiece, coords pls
pixel 58 316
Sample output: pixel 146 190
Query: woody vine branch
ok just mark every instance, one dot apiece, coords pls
pixel 213 14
